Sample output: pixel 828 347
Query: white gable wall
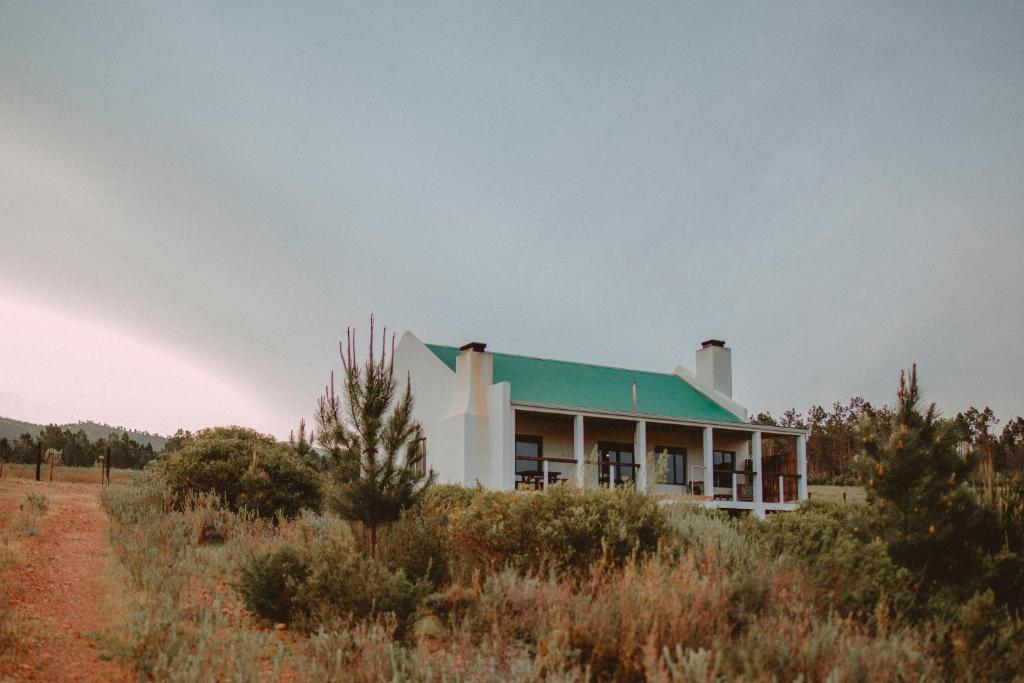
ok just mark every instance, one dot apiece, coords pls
pixel 432 390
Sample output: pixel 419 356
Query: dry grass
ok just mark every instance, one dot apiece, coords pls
pixel 837 494
pixel 15 522
pixel 76 475
pixel 707 607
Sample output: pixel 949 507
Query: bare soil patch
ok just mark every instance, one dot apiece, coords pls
pixel 57 586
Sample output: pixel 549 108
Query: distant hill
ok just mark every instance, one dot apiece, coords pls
pixel 12 429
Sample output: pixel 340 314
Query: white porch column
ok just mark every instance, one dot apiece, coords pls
pixel 577 449
pixel 640 454
pixel 709 463
pixel 801 466
pixel 755 455
pixel 501 437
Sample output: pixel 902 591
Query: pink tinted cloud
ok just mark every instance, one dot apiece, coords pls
pixel 59 366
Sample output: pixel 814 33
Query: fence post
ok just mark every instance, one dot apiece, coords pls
pixel 39 460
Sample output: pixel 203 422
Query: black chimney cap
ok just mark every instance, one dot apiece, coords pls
pixel 712 342
pixel 473 346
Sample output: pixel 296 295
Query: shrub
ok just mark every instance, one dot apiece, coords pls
pixel 670 619
pixel 244 469
pixel 37 503
pixel 562 528
pixel 418 543
pixel 269 583
pixel 30 511
pixel 326 582
pixel 830 542
pixel 983 640
pixel 442 499
pixel 280 482
pixel 415 544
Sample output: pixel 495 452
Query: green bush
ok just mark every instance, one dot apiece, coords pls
pixel 418 543
pixel 415 544
pixel 830 542
pixel 983 638
pixel 441 499
pixel 562 528
pixel 270 583
pixel 343 583
pixel 280 482
pixel 326 582
pixel 244 469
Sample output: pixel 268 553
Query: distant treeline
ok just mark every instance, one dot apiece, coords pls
pixel 832 444
pixel 77 450
pixel 12 429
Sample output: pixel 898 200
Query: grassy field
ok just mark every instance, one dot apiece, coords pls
pixel 76 475
pixel 837 494
pixel 721 600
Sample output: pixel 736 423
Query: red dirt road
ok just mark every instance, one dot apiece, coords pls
pixel 58 585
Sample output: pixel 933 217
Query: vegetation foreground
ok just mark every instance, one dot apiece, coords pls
pixel 245 559
pixel 559 585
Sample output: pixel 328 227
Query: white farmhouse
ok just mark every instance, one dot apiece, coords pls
pixel 517 422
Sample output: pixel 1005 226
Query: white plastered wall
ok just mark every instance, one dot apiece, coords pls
pixel 501 436
pixel 432 384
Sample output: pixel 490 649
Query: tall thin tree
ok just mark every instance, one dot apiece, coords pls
pixel 375 443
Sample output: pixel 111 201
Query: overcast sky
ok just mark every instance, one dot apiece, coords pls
pixel 197 199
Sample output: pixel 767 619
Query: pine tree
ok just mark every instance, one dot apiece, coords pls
pixel 375 444
pixel 918 482
pixel 302 447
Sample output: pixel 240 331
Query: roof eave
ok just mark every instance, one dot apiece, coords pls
pixel 664 419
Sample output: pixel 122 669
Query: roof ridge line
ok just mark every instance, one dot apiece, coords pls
pixel 570 362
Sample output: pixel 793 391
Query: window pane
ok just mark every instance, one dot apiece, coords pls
pixel 626 457
pixel 528 448
pixel 531 466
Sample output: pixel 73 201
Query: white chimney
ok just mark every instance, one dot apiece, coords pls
pixel 474 371
pixel 714 366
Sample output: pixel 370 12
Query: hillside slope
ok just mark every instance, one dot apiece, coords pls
pixel 12 429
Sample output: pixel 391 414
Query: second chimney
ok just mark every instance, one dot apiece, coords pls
pixel 714 366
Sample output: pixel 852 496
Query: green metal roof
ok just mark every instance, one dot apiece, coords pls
pixel 596 387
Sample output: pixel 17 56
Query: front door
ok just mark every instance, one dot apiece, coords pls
pixel 617 458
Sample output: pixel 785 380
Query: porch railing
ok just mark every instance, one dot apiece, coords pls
pixel 781 488
pixel 538 478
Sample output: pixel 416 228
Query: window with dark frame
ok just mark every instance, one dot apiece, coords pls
pixel 421 467
pixel 725 464
pixel 620 455
pixel 675 464
pixel 529 451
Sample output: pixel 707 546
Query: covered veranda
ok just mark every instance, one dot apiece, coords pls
pixel 735 466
